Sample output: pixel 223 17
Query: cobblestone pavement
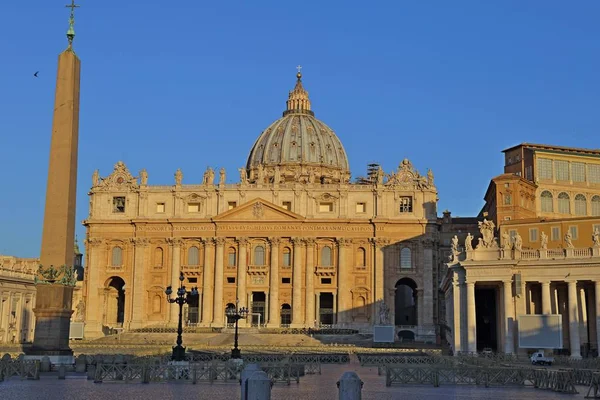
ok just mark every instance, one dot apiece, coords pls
pixel 311 387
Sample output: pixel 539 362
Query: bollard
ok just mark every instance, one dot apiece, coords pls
pixel 258 386
pixel 45 364
pixel 350 386
pixel 62 371
pixel 246 372
pixel 91 372
pixel 80 363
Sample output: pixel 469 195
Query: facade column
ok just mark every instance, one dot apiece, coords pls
pixel 546 307
pixel 344 282
pixel 456 315
pixel 242 275
pixel 175 269
pixel 574 320
pixel 93 306
pixel 597 294
pixel 207 282
pixel 274 307
pixel 310 283
pixel 583 332
pixel 297 284
pixel 378 281
pixel 138 297
pixel 509 318
pixel 471 323
pixel 218 310
pixel 428 298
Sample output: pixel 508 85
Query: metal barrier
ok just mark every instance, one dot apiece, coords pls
pixel 25 369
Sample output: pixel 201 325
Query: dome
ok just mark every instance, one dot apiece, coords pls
pixel 298 147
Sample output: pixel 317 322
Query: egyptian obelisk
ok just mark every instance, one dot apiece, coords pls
pixel 54 296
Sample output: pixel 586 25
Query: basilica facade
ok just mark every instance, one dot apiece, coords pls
pixel 294 240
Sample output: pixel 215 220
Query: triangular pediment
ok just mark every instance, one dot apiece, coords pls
pixel 258 210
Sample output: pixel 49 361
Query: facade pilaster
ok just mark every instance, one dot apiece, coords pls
pixel 274 313
pixel 344 282
pixel 378 281
pixel 471 322
pixel 509 318
pixel 218 310
pixel 208 279
pixel 574 320
pixel 175 269
pixel 597 294
pixel 310 316
pixel 138 297
pixel 546 305
pixel 428 299
pixel 242 275
pixel 297 284
pixel 93 309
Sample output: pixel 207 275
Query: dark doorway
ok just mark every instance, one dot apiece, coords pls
pixel 258 308
pixel 405 302
pixel 486 318
pixel 115 313
pixel 193 315
pixel 326 309
pixel 230 320
pixel 286 315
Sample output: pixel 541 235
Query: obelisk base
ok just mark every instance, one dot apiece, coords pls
pixel 52 321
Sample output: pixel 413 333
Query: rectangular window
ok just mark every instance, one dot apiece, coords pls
pixel 361 208
pixel 574 232
pixel 593 173
pixel 555 233
pixel 193 207
pixel 512 233
pixel 507 218
pixel 325 281
pixel 287 259
pixel 231 205
pixel 119 204
pixel 286 280
pixel 544 168
pixel 231 261
pixel 507 199
pixel 406 205
pixel 533 235
pixel 230 279
pixel 561 168
pixel 529 173
pixel 193 280
pixel 160 207
pixel 578 172
pixel 287 205
pixel 326 207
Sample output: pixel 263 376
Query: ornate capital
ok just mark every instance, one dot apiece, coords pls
pixel 379 242
pixel 297 241
pixel 94 241
pixel 344 242
pixel 140 241
pixel 310 241
pixel 275 241
pixel 428 243
pixel 220 241
pixel 174 241
pixel 242 241
pixel 209 241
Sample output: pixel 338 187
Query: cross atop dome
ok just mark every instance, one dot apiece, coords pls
pixel 298 101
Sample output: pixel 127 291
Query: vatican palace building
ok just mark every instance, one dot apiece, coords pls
pixel 294 240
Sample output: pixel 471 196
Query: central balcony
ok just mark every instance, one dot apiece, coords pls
pixel 258 269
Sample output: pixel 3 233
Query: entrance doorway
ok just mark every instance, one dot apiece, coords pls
pixel 405 302
pixel 486 318
pixel 115 303
pixel 230 320
pixel 193 310
pixel 258 308
pixel 326 309
pixel 286 315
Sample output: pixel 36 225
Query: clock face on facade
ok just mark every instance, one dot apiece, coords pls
pixel 120 179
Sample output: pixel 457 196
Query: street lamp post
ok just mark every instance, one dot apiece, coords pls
pixel 236 314
pixel 181 299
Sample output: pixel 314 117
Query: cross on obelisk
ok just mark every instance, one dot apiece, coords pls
pixel 71 31
pixel 299 68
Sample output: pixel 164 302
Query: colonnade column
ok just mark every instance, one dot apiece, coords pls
pixel 546 307
pixel 310 283
pixel 471 323
pixel 242 275
pixel 137 297
pixel 297 284
pixel 509 318
pixel 378 281
pixel 456 313
pixel 175 268
pixel 574 320
pixel 207 282
pixel 218 310
pixel 597 294
pixel 343 282
pixel 93 306
pixel 274 314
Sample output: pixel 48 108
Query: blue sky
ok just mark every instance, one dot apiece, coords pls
pixel 188 84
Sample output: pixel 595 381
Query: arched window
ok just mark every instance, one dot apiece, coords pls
pixel 326 256
pixel 158 257
pixel 405 258
pixel 564 203
pixel 361 257
pixel 231 257
pixel 259 255
pixel 546 198
pixel 286 315
pixel 117 256
pixel 596 206
pixel 580 205
pixel 193 256
pixel 287 257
